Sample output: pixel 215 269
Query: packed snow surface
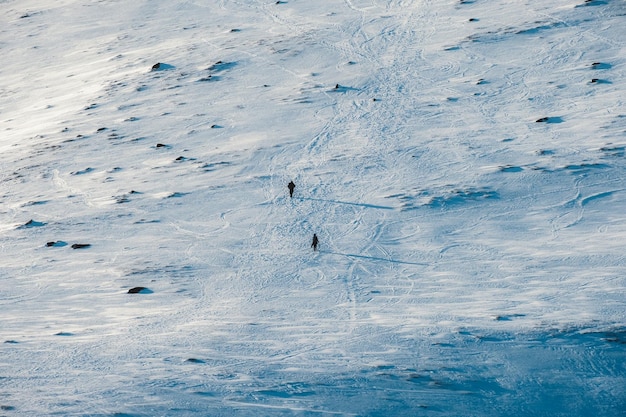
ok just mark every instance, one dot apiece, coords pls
pixel 463 164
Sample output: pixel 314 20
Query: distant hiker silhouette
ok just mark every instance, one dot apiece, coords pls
pixel 315 242
pixel 291 186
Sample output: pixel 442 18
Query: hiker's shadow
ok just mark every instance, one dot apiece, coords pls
pixel 373 258
pixel 373 206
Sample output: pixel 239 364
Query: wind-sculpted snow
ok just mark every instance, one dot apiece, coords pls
pixel 462 163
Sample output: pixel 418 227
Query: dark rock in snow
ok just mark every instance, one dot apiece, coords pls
pixel 221 66
pixel 81 245
pixel 184 158
pixel 194 360
pixel 592 3
pixel 342 88
pixel 554 119
pixel 511 168
pixel 600 65
pixel 139 290
pixel 159 66
pixel 56 244
pixel 36 203
pixel 32 223
pixel 83 171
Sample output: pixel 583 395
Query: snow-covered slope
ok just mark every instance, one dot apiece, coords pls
pixel 463 164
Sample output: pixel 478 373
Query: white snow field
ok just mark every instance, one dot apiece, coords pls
pixel 462 162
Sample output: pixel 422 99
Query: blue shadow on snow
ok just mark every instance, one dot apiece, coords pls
pixel 348 203
pixel 373 258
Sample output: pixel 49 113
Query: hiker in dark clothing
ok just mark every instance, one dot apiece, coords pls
pixel 315 242
pixel 291 186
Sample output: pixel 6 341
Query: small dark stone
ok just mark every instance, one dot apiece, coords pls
pixel 81 245
pixel 600 66
pixel 552 120
pixel 33 223
pixel 56 244
pixel 194 360
pixel 161 145
pixel 137 290
pixel 101 129
pixel 160 66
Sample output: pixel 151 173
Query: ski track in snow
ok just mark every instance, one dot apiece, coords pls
pixel 461 162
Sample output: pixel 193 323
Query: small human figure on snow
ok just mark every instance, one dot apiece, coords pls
pixel 315 242
pixel 291 187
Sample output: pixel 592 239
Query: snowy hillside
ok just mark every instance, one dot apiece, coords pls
pixel 462 162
